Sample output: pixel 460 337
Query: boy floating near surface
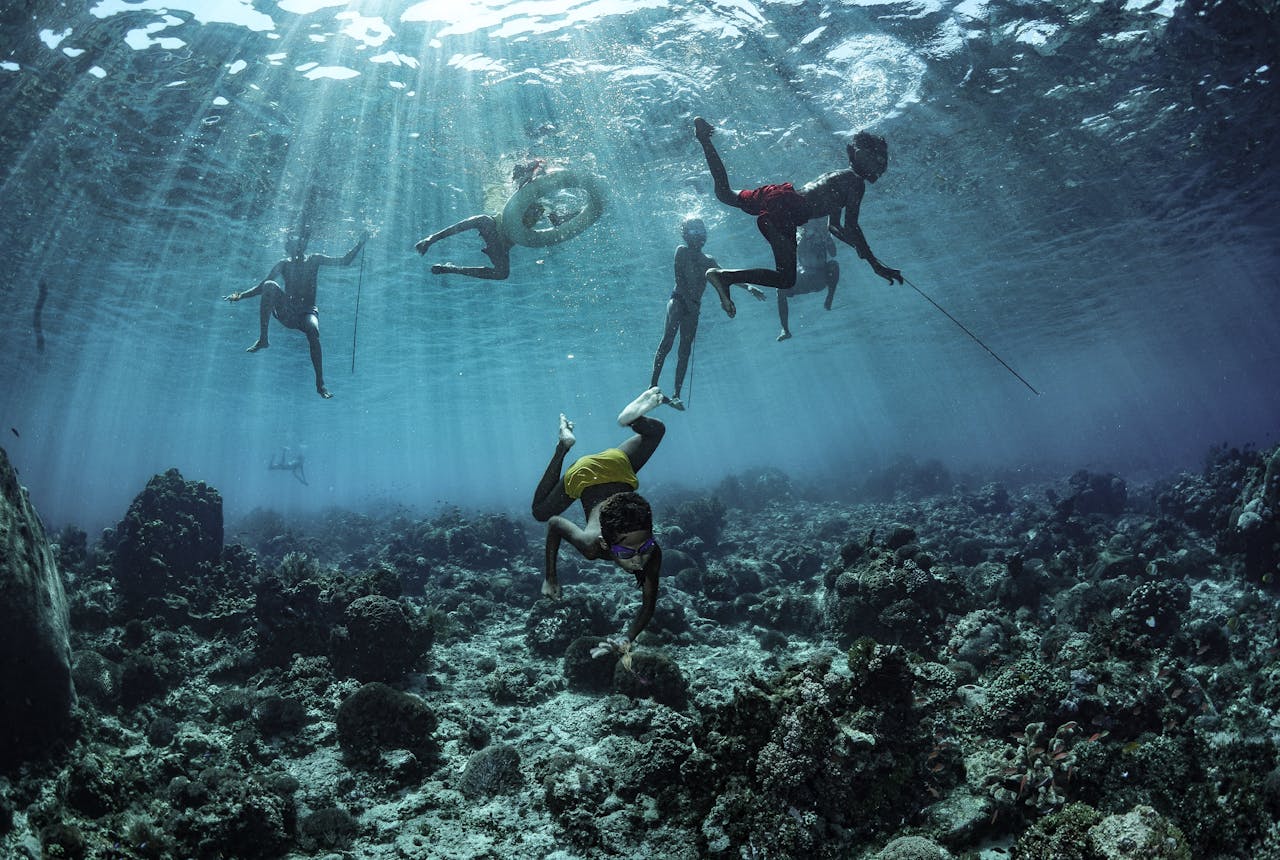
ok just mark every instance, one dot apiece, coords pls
pixel 619 520
pixel 294 305
pixel 498 241
pixel 683 307
pixel 781 209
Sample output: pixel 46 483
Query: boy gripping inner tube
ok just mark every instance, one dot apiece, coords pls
pixel 544 186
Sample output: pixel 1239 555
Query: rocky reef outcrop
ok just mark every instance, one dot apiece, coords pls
pixel 171 532
pixel 36 692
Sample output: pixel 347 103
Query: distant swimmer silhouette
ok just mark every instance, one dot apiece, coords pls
pixel 619 520
pixel 296 465
pixel 781 209
pixel 294 305
pixel 568 201
pixel 37 321
pixel 817 270
pixel 685 304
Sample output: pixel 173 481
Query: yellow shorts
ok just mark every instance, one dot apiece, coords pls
pixel 610 466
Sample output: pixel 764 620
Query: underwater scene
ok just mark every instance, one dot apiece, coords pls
pixel 580 429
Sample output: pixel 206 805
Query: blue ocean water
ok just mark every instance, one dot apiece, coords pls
pixel 1089 187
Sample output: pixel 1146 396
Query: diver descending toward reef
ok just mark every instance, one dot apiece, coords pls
pixel 295 465
pixel 817 271
pixel 781 209
pixel 619 520
pixel 534 201
pixel 294 304
pixel 683 307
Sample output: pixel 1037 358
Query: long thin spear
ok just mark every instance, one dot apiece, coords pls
pixel 974 336
pixel 355 325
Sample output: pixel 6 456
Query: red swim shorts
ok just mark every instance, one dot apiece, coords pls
pixel 780 204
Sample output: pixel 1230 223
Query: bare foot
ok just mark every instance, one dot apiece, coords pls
pixel 786 335
pixel 675 403
pixel 422 246
pixel 323 392
pixel 566 433
pixel 722 290
pixel 262 344
pixel 551 589
pixel 641 406
pixel 702 129
pixel 438 269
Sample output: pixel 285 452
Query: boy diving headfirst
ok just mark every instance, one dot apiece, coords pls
pixel 619 520
pixel 781 209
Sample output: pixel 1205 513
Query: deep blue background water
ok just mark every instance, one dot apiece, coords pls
pixel 1090 187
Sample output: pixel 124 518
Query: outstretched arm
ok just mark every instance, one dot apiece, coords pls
pixel 650 600
pixel 558 529
pixel 844 226
pixel 322 260
pixel 256 288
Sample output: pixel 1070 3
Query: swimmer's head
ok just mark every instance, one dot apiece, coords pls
pixel 622 513
pixel 868 155
pixel 522 172
pixel 626 530
pixel 694 232
pixel 296 246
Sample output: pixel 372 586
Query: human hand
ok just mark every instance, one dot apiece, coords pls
pixel 234 297
pixel 890 275
pixel 619 645
pixel 755 291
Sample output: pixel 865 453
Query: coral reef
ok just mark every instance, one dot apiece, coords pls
pixel 1076 670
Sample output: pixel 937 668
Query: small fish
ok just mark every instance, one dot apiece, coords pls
pixel 14 431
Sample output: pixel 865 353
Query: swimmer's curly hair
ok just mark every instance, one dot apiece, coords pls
pixel 873 142
pixel 624 512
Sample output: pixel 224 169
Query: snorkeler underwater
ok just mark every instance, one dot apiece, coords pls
pixel 967 546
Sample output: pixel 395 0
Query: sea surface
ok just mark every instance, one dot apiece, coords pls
pixel 1088 187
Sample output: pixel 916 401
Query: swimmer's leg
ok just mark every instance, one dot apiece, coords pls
pixel 550 498
pixel 640 447
pixel 703 130
pixel 311 328
pixel 473 223
pixel 688 331
pixel 272 297
pixel 664 346
pixel 716 278
pixel 648 400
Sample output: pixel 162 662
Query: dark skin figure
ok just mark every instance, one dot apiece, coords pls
pixel 294 305
pixel 497 247
pixel 837 196
pixel 296 465
pixel 550 500
pixel 683 308
pixel 817 272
